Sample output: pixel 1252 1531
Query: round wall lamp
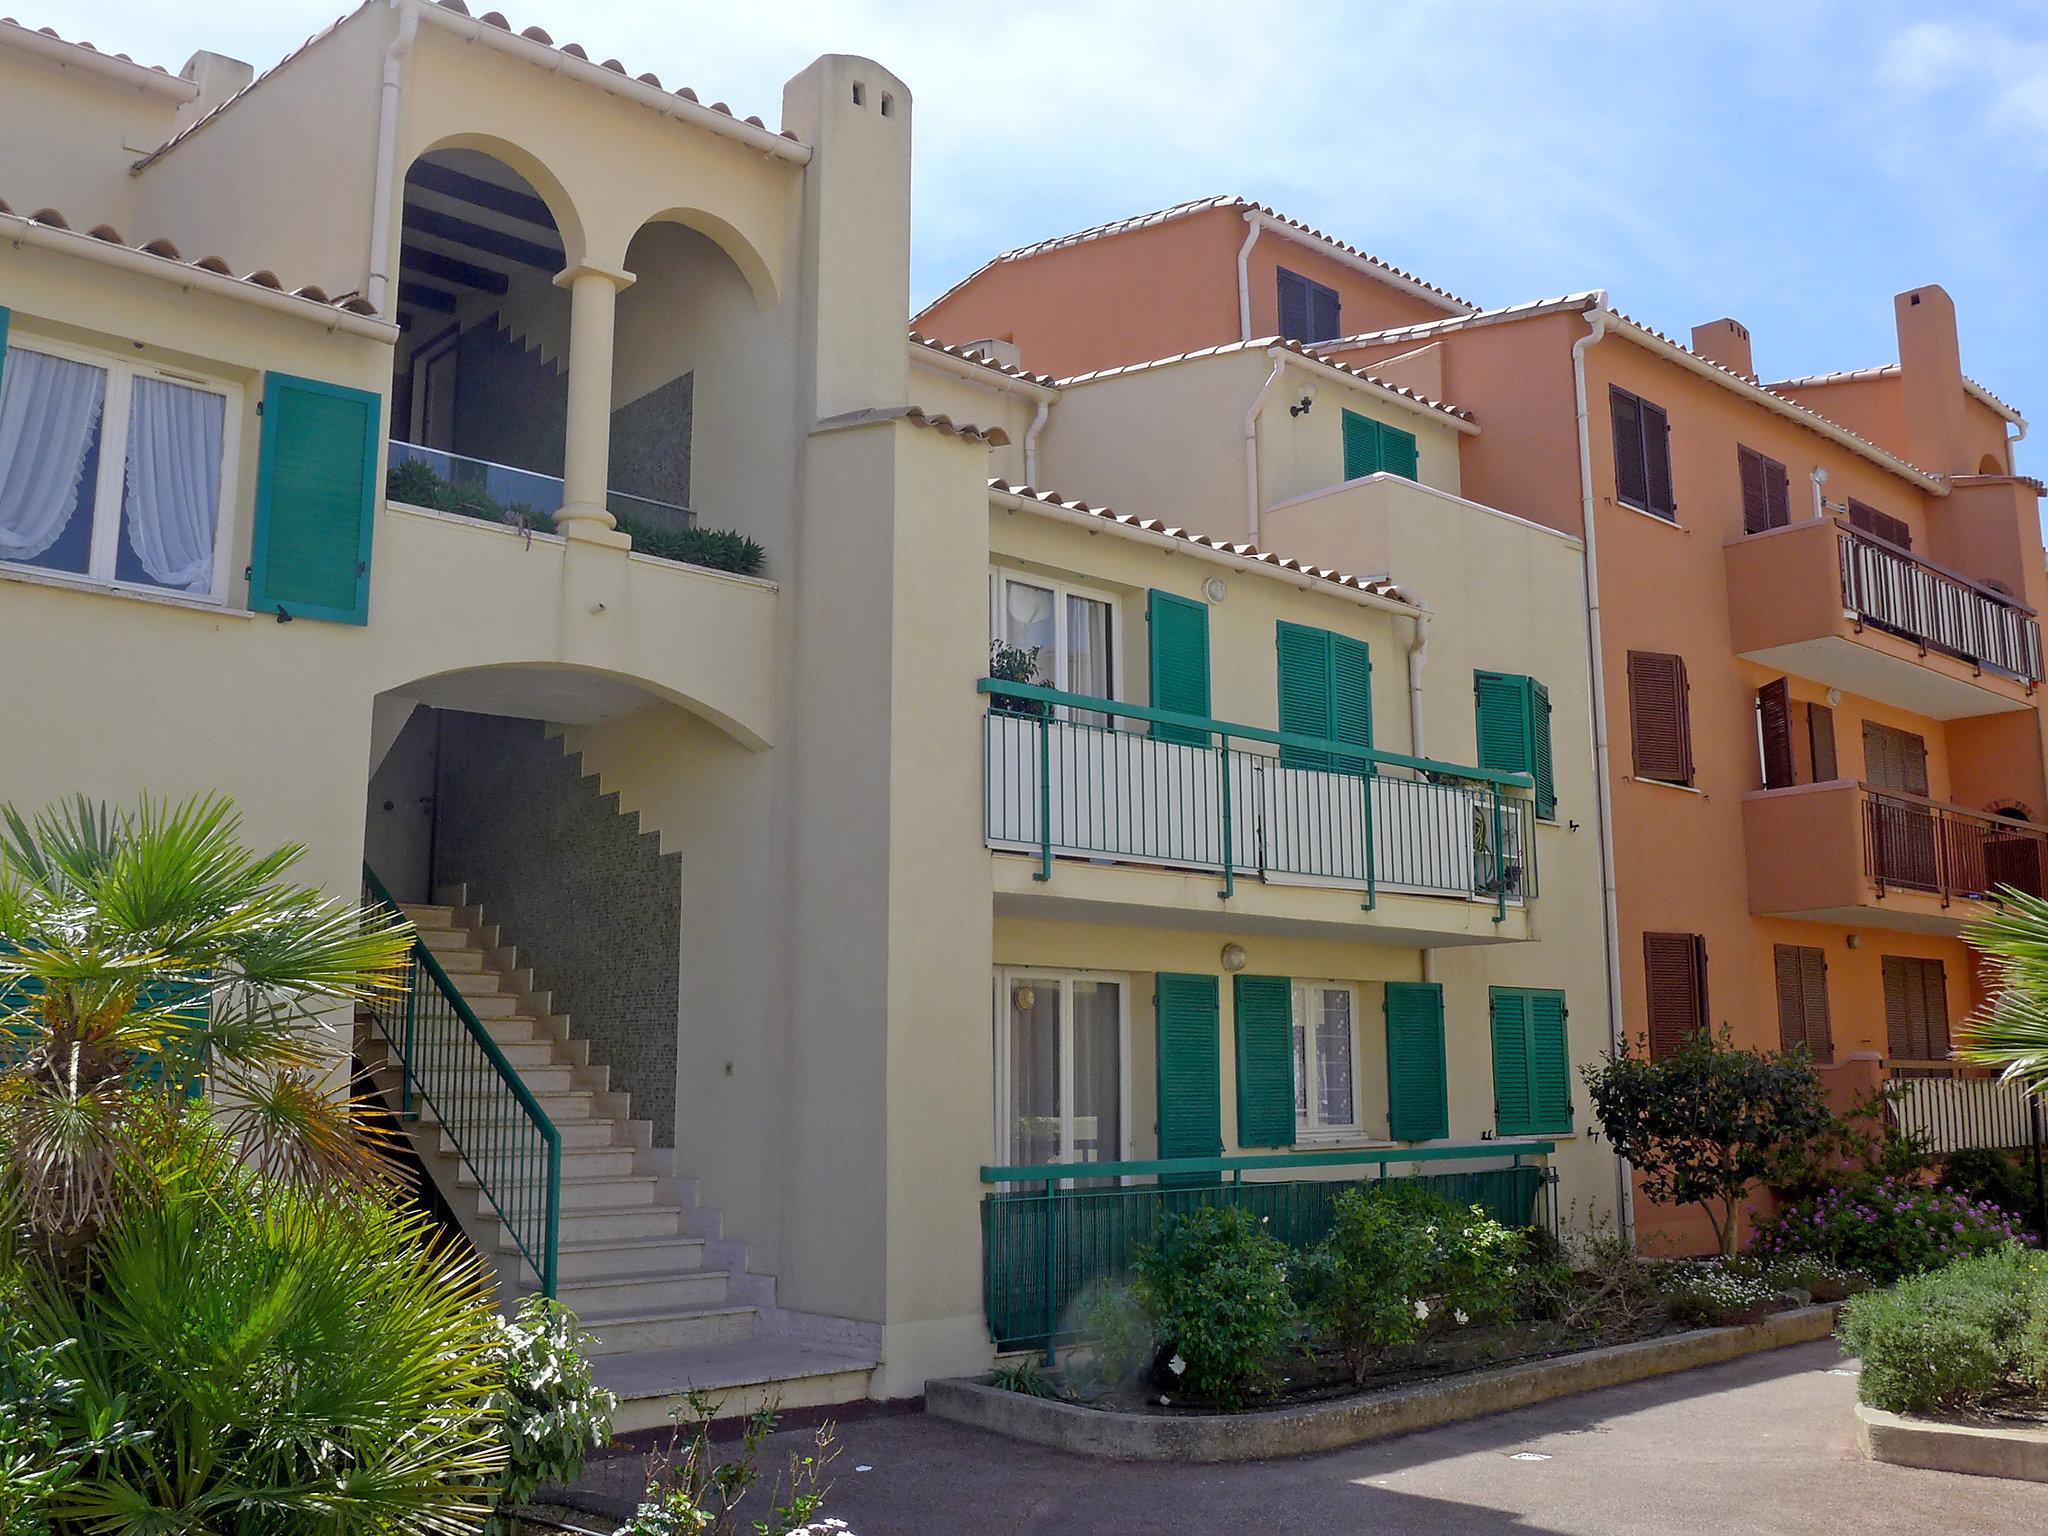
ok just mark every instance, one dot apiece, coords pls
pixel 1215 590
pixel 1024 998
pixel 1234 958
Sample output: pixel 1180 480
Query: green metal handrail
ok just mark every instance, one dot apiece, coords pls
pixel 497 1126
pixel 1029 700
pixel 1077 1223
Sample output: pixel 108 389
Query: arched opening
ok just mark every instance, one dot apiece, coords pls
pixel 479 403
pixel 1990 465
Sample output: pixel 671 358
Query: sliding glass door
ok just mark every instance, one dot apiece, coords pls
pixel 1061 1039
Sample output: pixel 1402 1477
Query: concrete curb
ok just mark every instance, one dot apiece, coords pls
pixel 1908 1442
pixel 1351 1421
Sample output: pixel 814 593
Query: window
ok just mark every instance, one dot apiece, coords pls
pixel 1915 1009
pixel 1820 741
pixel 1660 717
pixel 113 471
pixel 1308 310
pixel 1802 973
pixel 1766 491
pixel 1073 630
pixel 1898 827
pixel 1675 989
pixel 1325 1018
pixel 1514 731
pixel 1867 519
pixel 1371 447
pixel 1642 454
pixel 1061 1040
pixel 1532 1088
pixel 1325 692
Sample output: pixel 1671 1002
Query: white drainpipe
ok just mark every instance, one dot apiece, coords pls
pixel 1244 281
pixel 1820 500
pixel 1031 441
pixel 379 285
pixel 1251 442
pixel 1603 821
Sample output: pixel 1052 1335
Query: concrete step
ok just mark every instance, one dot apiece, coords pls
pixel 423 914
pixel 738 1377
pixel 646 1294
pixel 584 1168
pixel 528 1054
pixel 623 1259
pixel 603 1226
pixel 462 965
pixel 583 1195
pixel 671 1328
pixel 489 1006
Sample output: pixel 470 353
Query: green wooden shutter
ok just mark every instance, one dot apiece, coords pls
pixel 1180 662
pixel 1540 766
pixel 1550 1064
pixel 1418 1097
pixel 1264 1009
pixel 1189 1013
pixel 1361 445
pixel 1512 1111
pixel 1503 706
pixel 1305 710
pixel 1397 452
pixel 316 500
pixel 1351 698
pixel 5 312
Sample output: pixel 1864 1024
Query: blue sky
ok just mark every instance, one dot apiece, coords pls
pixel 1792 165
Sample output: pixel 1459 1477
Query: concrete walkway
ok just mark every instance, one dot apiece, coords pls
pixel 1762 1445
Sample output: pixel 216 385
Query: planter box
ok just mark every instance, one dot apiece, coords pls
pixel 1905 1441
pixel 1254 1436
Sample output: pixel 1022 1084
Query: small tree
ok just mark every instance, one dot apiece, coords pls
pixel 1707 1122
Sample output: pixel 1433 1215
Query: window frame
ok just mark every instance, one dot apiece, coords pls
pixel 998 615
pixel 1004 980
pixel 1308 1123
pixel 110 487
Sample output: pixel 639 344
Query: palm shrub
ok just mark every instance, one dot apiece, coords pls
pixel 300 1358
pixel 2012 1031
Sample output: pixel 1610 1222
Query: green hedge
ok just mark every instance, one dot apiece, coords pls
pixel 1954 1336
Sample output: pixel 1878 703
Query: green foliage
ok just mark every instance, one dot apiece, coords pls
pixel 1118 1336
pixel 309 1354
pixel 1712 1295
pixel 1885 1229
pixel 1707 1122
pixel 1015 664
pixel 1952 1337
pixel 1991 1177
pixel 1214 1282
pixel 416 483
pixel 555 1414
pixel 1401 1262
pixel 690 1492
pixel 1591 1280
pixel 2013 1031
pixel 1866 1139
pixel 1817 1277
pixel 46 1441
pixel 716 549
pixel 1023 1375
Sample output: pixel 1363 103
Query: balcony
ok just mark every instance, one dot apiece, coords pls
pixel 1276 823
pixel 1823 601
pixel 523 498
pixel 1843 853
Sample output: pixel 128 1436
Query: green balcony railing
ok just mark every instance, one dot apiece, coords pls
pixel 1068 775
pixel 1046 1235
pixel 448 1061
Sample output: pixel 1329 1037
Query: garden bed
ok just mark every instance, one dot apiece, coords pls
pixel 1105 1428
pixel 1996 1441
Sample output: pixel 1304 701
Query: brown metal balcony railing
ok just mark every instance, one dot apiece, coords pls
pixel 1927 845
pixel 1887 588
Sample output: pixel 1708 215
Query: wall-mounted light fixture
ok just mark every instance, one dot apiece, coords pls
pixel 1234 958
pixel 1301 406
pixel 1214 589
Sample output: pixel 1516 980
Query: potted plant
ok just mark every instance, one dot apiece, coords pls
pixel 1015 664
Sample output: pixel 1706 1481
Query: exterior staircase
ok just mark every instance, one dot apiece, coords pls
pixel 667 1298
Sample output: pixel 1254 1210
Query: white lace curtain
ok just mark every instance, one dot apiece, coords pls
pixel 173 484
pixel 49 414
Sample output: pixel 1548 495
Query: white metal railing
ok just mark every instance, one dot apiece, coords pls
pixel 1891 590
pixel 1948 1109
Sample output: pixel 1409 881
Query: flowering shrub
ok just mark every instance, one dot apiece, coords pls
pixel 1952 1337
pixel 1885 1229
pixel 1709 1295
pixel 1803 1272
pixel 554 1412
pixel 1214 1283
pixel 1401 1262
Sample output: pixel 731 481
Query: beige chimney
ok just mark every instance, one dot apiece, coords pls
pixel 1931 368
pixel 218 77
pixel 1726 342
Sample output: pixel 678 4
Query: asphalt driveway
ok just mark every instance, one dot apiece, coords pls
pixel 1760 1445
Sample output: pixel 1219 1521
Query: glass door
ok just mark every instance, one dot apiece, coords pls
pixel 1060 1048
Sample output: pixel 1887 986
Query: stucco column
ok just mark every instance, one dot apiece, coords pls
pixel 587 445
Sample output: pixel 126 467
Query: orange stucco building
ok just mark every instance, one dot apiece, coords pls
pixel 1811 607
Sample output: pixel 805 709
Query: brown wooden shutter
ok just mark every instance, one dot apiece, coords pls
pixel 1675 989
pixel 1774 721
pixel 1660 722
pixel 1867 519
pixel 1894 760
pixel 1631 481
pixel 1802 977
pixel 1778 487
pixel 1791 1001
pixel 1657 459
pixel 1820 735
pixel 1756 516
pixel 1916 1009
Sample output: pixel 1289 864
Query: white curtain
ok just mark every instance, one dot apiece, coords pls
pixel 49 415
pixel 173 494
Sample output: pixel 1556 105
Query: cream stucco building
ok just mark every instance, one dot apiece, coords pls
pixel 361 428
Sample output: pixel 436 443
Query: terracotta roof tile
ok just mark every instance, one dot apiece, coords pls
pixel 983 360
pixel 164 251
pixel 917 416
pixel 1387 270
pixel 73 42
pixel 1377 586
pixel 1889 370
pixel 1312 354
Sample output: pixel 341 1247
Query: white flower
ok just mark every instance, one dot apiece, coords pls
pixel 1511 1269
pixel 1176 1365
pixel 1422 1311
pixel 1461 1317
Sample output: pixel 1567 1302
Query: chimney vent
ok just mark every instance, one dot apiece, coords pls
pixel 1726 342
